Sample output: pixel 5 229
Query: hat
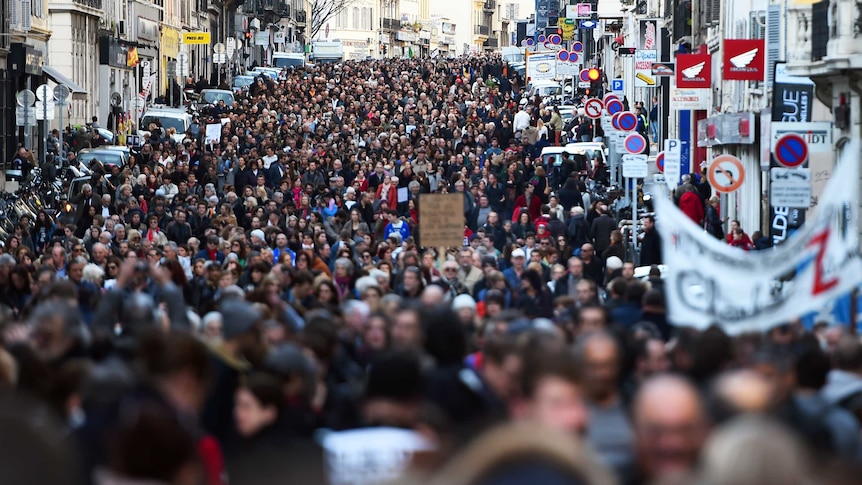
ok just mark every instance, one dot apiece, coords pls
pixel 518 253
pixel 350 190
pixel 238 317
pixel 542 224
pixel 463 301
pixel 613 263
pixel 258 234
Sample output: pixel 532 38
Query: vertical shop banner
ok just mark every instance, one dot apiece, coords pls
pixel 643 68
pixel 647 36
pixel 543 8
pixel 792 96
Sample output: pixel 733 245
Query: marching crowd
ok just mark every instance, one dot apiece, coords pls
pixel 261 309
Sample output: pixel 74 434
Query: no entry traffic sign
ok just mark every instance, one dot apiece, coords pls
pixel 725 174
pixel 791 150
pixel 634 143
pixel 614 106
pixel 593 109
pixel 627 121
pixel 659 162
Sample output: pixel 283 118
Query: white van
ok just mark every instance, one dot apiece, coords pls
pixel 176 118
pixel 288 59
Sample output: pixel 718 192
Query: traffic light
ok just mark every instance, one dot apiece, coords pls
pixel 247 35
pixel 594 74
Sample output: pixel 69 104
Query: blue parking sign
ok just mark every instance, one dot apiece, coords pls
pixel 617 85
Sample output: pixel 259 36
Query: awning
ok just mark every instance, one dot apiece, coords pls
pixel 77 91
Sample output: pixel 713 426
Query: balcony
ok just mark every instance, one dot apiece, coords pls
pixel 300 17
pixel 481 30
pixel 490 6
pixel 822 38
pixel 390 24
pixel 492 43
pixel 97 4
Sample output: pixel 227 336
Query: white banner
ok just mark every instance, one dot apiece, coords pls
pixel 710 282
pixel 213 133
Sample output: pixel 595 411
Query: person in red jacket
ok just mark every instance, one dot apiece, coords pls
pixel 691 204
pixel 530 201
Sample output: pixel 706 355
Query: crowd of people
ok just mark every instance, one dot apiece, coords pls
pixel 261 309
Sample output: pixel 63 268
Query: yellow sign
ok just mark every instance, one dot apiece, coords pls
pixel 196 38
pixel 568 31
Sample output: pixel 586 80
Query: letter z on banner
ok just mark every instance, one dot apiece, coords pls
pixel 709 282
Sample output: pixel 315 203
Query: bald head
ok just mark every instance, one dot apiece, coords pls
pixel 670 426
pixel 433 295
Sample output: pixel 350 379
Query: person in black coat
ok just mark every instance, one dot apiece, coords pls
pixel 570 196
pixel 650 244
pixel 601 229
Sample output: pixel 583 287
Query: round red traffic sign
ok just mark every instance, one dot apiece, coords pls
pixel 555 39
pixel 563 55
pixel 725 174
pixel 573 56
pixel 615 120
pixel 584 75
pixel 577 47
pixel 541 39
pixel 659 162
pixel 635 143
pixel 593 108
pixel 610 96
pixel 791 150
pixel 614 106
pixel 628 121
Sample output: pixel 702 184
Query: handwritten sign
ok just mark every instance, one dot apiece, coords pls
pixel 441 220
pixel 213 133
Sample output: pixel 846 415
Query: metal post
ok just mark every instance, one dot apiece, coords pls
pixel 43 152
pixel 27 132
pixel 62 130
pixel 634 221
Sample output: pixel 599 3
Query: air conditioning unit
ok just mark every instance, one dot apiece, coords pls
pixel 121 27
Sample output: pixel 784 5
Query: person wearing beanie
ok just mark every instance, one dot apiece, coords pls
pixel 465 307
pixel 240 337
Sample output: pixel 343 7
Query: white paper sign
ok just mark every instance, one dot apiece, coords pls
pixel 370 455
pixel 742 291
pixel 213 135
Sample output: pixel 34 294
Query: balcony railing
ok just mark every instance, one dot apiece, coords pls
pixel 490 5
pixel 90 3
pixel 481 30
pixel 390 24
pixel 492 42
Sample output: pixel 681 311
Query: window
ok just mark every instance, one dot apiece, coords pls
pixel 355 18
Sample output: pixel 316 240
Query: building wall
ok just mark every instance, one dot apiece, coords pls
pixel 357 27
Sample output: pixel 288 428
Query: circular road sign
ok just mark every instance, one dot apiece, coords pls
pixel 584 75
pixel 577 47
pixel 541 39
pixel 555 39
pixel 563 55
pixel 61 92
pixel 635 143
pixel 791 150
pixel 610 96
pixel 725 174
pixel 593 109
pixel 25 98
pixel 659 162
pixel 627 121
pixel 615 120
pixel 530 41
pixel 44 92
pixel 573 56
pixel 614 106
